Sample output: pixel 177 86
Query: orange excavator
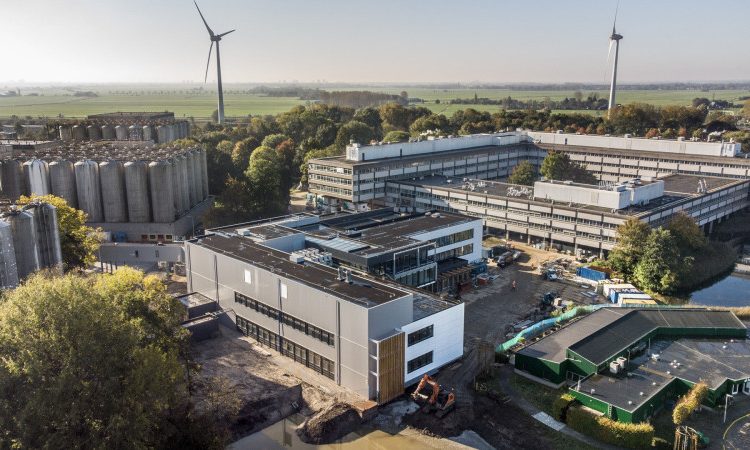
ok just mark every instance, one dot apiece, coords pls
pixel 441 400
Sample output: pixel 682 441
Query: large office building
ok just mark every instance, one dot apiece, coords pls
pixel 627 363
pixel 707 180
pixel 279 283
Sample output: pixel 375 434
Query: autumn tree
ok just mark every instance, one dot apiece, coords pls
pixel 78 242
pixel 559 166
pixel 628 251
pixel 659 267
pixel 524 173
pixel 396 136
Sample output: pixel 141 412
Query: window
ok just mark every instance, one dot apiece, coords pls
pixel 419 361
pixel 248 277
pixel 420 335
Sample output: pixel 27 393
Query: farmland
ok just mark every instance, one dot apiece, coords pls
pixel 194 102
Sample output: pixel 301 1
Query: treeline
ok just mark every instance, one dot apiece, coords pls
pixel 577 102
pixel 350 99
pixel 254 163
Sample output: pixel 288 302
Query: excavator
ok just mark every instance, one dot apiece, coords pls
pixel 441 400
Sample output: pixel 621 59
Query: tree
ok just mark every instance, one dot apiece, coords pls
pixel 657 270
pixel 264 174
pixel 688 234
pixel 435 123
pixel 90 362
pixel 524 173
pixel 79 243
pixel 356 131
pixel 746 109
pixel 558 166
pixel 396 136
pixel 629 248
pixel 242 150
pixel 371 118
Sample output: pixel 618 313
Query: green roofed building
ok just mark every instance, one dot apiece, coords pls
pixel 626 363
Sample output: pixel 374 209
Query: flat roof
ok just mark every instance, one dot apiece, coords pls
pixel 647 155
pixel 710 360
pixel 363 291
pixel 265 231
pixel 194 299
pixel 425 306
pixel 688 184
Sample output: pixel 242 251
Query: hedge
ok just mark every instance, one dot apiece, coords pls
pixel 560 406
pixel 689 402
pixel 628 435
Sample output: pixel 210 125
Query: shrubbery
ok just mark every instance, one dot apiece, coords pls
pixel 628 435
pixel 689 403
pixel 560 406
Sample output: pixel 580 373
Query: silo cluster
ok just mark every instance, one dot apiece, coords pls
pixel 29 241
pixel 113 183
pixel 161 132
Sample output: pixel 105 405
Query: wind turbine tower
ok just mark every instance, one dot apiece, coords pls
pixel 614 39
pixel 215 38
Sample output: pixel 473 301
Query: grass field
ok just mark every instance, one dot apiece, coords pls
pixel 186 102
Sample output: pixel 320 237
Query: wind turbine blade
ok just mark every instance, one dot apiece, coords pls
pixel 614 23
pixel 210 32
pixel 210 49
pixel 224 34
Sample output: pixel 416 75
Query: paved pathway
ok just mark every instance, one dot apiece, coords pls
pixel 506 372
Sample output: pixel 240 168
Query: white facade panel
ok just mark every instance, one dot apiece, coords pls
pixel 446 344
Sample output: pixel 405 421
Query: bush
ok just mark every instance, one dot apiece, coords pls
pixel 560 406
pixel 628 435
pixel 689 402
pixel 661 444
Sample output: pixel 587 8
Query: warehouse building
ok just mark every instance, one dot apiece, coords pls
pixel 372 336
pixel 627 363
pixel 571 216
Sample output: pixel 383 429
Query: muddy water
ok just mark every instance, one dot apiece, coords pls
pixel 282 435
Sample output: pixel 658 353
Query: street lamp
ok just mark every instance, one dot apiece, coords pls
pixel 726 404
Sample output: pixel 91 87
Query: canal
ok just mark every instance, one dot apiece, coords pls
pixel 732 290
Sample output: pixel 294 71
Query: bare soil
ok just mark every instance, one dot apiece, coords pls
pixel 330 424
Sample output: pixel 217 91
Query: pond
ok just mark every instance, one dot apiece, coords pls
pixel 732 290
pixel 282 435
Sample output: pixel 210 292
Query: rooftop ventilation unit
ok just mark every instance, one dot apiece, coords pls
pixel 349 277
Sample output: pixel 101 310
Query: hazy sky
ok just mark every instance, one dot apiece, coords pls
pixel 373 41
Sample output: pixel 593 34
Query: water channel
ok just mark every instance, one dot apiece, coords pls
pixel 732 290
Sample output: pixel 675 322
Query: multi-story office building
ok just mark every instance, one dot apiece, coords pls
pixel 571 216
pixel 371 336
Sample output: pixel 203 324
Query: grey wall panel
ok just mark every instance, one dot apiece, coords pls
pixel 385 318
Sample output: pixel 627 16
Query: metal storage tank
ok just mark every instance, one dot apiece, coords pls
pixel 79 132
pixel 62 180
pixel 112 179
pixel 47 235
pixel 161 134
pixel 147 133
pixel 65 133
pixel 36 173
pixel 204 173
pixel 24 242
pixel 94 132
pixel 88 188
pixel 135 133
pixel 182 173
pixel 12 179
pixel 193 178
pixel 121 133
pixel 136 188
pixel 8 269
pixel 108 133
pixel 162 196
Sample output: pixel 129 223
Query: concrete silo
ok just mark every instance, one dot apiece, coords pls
pixel 147 133
pixel 162 196
pixel 108 133
pixel 47 235
pixel 197 187
pixel 23 230
pixel 121 133
pixel 62 180
pixel 181 165
pixel 135 133
pixel 13 182
pixel 136 187
pixel 204 173
pixel 65 133
pixel 176 190
pixel 189 169
pixel 161 134
pixel 8 269
pixel 79 132
pixel 88 188
pixel 94 132
pixel 36 173
pixel 112 180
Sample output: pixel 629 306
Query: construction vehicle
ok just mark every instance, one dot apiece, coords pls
pixel 441 401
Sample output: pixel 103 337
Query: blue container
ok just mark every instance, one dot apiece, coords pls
pixel 591 274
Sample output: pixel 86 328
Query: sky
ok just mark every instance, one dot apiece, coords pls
pixel 500 41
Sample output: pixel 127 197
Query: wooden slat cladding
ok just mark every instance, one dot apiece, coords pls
pixel 391 368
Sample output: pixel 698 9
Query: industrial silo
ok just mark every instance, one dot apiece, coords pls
pixel 135 133
pixel 161 134
pixel 24 242
pixel 204 173
pixel 162 197
pixel 112 181
pixel 176 191
pixel 197 182
pixel 88 188
pixel 47 235
pixel 147 133
pixel 108 133
pixel 36 174
pixel 62 180
pixel 121 133
pixel 136 188
pixel 65 133
pixel 12 179
pixel 8 269
pixel 189 162
pixel 79 132
pixel 181 165
pixel 94 132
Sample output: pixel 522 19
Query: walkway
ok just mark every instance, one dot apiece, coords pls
pixel 505 373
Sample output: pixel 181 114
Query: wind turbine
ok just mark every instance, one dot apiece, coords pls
pixel 215 38
pixel 614 39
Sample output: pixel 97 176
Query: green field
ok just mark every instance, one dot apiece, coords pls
pixel 187 102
